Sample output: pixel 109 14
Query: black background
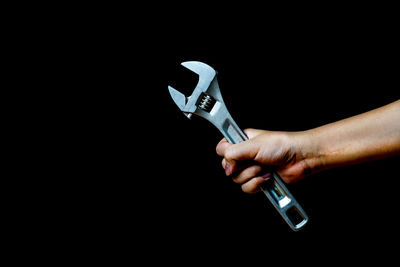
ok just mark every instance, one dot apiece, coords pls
pixel 165 187
pixel 280 85
pixel 127 176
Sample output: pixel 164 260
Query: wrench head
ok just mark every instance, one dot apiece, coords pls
pixel 207 74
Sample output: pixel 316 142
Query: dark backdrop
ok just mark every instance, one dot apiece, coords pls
pixel 280 85
pixel 131 177
pixel 166 188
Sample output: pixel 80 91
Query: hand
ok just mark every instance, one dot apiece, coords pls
pixel 368 136
pixel 247 161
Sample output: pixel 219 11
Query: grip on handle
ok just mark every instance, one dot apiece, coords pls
pixel 274 188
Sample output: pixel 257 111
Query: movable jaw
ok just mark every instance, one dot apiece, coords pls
pixel 206 86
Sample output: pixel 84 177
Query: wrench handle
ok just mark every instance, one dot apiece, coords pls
pixel 274 188
pixel 280 196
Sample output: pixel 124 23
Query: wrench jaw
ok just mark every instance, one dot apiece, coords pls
pixel 201 102
pixel 178 97
pixel 205 72
pixel 207 85
pixel 180 100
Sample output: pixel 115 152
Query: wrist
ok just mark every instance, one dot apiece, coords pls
pixel 325 149
pixel 310 152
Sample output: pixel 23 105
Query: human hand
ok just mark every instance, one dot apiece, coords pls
pixel 248 161
pixel 368 136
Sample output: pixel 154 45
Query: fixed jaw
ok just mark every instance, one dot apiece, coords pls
pixel 207 74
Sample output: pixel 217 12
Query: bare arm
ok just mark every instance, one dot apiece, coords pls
pixel 368 136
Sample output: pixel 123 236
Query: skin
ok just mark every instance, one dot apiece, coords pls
pixel 294 155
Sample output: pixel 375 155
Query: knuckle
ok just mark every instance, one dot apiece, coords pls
pixel 222 147
pixel 247 174
pixel 245 188
pixel 229 153
pixel 219 150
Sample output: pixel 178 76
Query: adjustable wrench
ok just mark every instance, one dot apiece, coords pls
pixel 206 101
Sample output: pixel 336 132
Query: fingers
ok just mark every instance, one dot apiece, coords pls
pixel 239 153
pixel 246 174
pixel 245 150
pixel 234 153
pixel 253 185
pixel 236 161
pixel 250 179
pixel 224 144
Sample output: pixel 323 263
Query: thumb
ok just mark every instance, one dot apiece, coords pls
pixel 246 150
pixel 251 133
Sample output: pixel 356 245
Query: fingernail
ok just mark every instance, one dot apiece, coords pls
pixel 228 169
pixel 267 175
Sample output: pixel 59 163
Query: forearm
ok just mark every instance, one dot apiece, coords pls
pixel 368 136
